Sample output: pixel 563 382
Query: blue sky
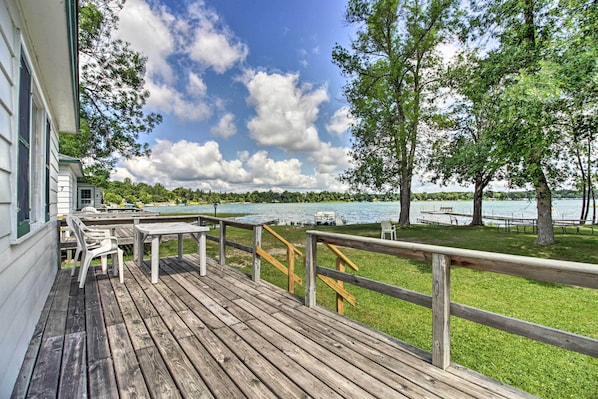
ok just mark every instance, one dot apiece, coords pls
pixel 249 95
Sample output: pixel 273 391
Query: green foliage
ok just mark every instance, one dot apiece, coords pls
pixel 149 194
pixel 391 67
pixel 112 93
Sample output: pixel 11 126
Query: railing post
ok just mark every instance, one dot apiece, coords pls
pixel 441 310
pixel 310 271
pixel 222 248
pixel 257 263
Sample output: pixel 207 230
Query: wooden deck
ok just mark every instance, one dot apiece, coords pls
pixel 220 336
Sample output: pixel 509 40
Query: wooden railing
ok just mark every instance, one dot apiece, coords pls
pixel 442 258
pixel 256 249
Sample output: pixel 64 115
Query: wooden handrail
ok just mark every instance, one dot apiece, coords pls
pixel 442 258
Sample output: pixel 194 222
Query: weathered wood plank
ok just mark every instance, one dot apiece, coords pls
pixel 26 371
pixel 327 354
pixel 111 311
pixel 406 360
pixel 102 382
pixel 335 378
pixel 187 379
pixel 75 321
pixel 143 304
pixel 251 386
pixel 269 375
pixel 97 341
pixel 46 374
pixel 140 337
pixel 220 384
pixel 159 381
pixel 127 371
pixel 313 386
pixel 73 373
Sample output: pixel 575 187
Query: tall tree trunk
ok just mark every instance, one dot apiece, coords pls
pixel 585 194
pixel 478 195
pixel 593 204
pixel 405 194
pixel 544 208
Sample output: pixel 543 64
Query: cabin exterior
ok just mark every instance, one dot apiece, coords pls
pixel 73 192
pixel 38 99
pixel 69 171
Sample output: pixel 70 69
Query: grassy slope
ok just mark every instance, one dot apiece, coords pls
pixel 540 369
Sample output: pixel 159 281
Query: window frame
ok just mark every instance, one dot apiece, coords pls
pixel 37 143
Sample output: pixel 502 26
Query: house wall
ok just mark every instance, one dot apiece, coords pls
pixel 28 264
pixel 66 195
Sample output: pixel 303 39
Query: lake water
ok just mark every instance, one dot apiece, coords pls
pixel 373 212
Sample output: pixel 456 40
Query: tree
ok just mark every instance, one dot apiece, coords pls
pixel 578 41
pixel 112 93
pixel 466 152
pixel 529 95
pixel 391 68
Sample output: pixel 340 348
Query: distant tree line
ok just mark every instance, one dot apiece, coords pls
pixel 127 191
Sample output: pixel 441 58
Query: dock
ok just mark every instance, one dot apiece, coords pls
pixel 509 223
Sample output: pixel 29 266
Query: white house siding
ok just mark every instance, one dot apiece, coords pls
pixel 28 264
pixel 67 184
pixel 24 287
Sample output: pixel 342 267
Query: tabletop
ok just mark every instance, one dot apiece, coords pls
pixel 170 228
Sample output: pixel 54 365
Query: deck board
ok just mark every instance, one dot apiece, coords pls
pixel 219 336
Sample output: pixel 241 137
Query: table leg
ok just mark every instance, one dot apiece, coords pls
pixel 201 248
pixel 180 247
pixel 138 249
pixel 155 258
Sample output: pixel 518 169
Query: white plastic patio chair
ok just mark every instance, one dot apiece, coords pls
pixel 388 228
pixel 92 243
pixel 93 239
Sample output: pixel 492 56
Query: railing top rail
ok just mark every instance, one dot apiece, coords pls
pixel 559 271
pixel 231 222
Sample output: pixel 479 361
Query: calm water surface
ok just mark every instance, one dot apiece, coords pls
pixel 373 212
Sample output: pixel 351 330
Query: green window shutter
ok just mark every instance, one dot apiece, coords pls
pixel 47 193
pixel 24 148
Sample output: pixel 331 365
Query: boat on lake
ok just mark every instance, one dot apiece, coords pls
pixel 327 218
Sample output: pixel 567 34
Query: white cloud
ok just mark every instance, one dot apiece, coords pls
pixel 330 160
pixel 197 41
pixel 340 122
pixel 193 165
pixel 286 112
pixel 136 20
pixel 267 172
pixel 226 127
pixel 167 99
pixel 197 87
pixel 213 45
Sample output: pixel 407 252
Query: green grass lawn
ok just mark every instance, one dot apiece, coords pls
pixel 540 369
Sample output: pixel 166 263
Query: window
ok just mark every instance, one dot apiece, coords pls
pixel 24 147
pixel 33 156
pixel 85 198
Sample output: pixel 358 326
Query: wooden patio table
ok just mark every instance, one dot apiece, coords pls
pixel 155 230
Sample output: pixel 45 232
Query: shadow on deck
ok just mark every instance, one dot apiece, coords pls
pixel 220 336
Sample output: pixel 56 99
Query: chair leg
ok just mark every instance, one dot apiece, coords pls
pixel 104 264
pixel 75 259
pixel 83 256
pixel 83 271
